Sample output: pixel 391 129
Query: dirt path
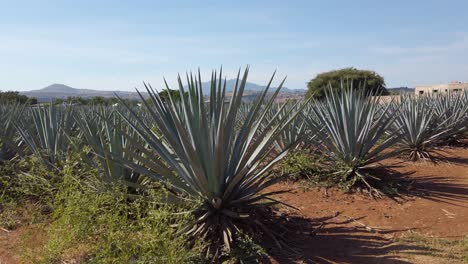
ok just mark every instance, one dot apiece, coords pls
pixel 359 229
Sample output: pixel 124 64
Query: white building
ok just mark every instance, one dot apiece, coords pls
pixel 441 88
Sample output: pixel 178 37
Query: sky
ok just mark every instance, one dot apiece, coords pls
pixel 116 45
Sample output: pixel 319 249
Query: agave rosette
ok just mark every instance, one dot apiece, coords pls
pixel 200 155
pixel 351 128
pixel 419 127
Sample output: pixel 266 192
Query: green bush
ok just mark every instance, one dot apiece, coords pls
pixel 105 227
pixel 297 164
pixel 369 81
pixel 303 164
pixel 26 192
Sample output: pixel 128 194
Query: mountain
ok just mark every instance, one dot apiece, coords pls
pixel 230 84
pixel 62 91
pixel 56 91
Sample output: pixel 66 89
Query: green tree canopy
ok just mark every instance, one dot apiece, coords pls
pixel 98 100
pixel 175 94
pixel 350 77
pixel 15 97
pixel 164 94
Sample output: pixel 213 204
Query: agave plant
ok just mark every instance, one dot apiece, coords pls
pixel 48 135
pixel 453 109
pixel 419 126
pixel 200 155
pixel 104 131
pixel 9 113
pixel 352 130
pixel 293 134
pixel 244 110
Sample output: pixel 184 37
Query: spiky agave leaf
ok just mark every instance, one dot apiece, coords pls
pixel 453 108
pixel 419 126
pixel 105 131
pixel 201 154
pixel 351 128
pixel 9 113
pixel 294 133
pixel 47 136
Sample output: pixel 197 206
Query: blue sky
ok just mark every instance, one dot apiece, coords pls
pixel 115 45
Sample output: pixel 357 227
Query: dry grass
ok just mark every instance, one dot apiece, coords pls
pixel 434 249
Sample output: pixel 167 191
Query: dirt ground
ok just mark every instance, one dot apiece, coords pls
pixel 360 229
pixel 355 227
pixel 17 244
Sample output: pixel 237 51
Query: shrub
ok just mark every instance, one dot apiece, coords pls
pixel 105 227
pixel 368 81
pixel 302 164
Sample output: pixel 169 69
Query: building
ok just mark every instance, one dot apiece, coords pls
pixel 442 88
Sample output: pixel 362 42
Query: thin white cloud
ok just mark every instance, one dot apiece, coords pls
pixel 461 43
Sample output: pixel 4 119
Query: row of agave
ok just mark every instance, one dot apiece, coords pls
pixel 219 153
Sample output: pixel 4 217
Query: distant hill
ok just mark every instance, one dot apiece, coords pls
pixel 400 90
pixel 230 84
pixel 62 91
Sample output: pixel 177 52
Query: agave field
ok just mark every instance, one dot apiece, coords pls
pixel 201 167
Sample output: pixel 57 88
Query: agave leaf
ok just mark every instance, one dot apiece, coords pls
pixel 218 158
pixel 47 135
pixel 350 126
pixel 9 142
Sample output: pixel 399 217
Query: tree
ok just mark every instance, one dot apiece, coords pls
pixel 98 100
pixel 77 100
pixel 350 77
pixel 15 97
pixel 175 94
pixel 164 94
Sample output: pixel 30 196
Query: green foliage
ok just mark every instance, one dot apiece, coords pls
pixel 107 228
pixel 27 189
pixel 15 98
pixel 246 250
pixel 166 94
pixel 91 220
pixel 369 81
pixel 301 164
pixel 27 178
pixel 93 101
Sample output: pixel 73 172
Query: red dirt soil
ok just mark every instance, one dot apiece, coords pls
pixel 357 228
pixel 360 229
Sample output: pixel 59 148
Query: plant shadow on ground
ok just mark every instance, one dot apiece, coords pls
pixel 337 239
pixel 401 186
pixel 442 155
pixel 333 240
